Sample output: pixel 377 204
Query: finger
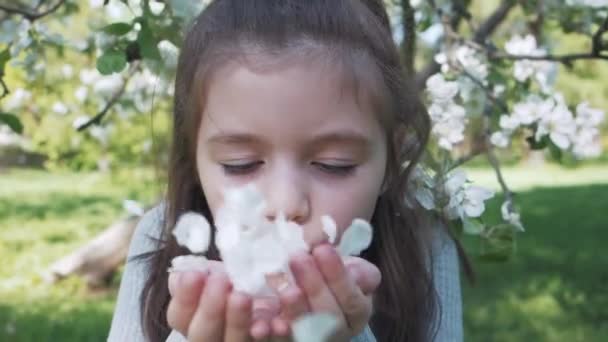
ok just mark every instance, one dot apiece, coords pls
pixel 208 321
pixel 260 330
pixel 263 310
pixel 367 276
pixel 350 298
pixel 215 266
pixel 187 288
pixel 294 305
pixel 280 327
pixel 311 281
pixel 238 317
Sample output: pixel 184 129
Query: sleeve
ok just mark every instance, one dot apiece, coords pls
pixel 366 336
pixel 126 320
pixel 446 276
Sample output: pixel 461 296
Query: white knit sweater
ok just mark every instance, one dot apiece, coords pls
pixel 126 321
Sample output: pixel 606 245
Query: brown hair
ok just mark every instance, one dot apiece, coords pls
pixel 405 302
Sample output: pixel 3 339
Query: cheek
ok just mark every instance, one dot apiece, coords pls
pixel 345 204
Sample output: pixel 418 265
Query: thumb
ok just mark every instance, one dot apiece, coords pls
pixel 366 275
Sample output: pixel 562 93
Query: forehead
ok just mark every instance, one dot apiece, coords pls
pixel 288 101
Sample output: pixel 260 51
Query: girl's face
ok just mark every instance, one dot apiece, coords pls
pixel 309 144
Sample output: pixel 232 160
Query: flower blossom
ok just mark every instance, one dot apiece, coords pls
pixel 421 186
pixel 464 200
pixel 449 118
pixel 586 142
pixel 511 216
pixel 526 68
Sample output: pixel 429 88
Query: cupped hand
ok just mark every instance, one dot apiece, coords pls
pixel 325 283
pixel 204 306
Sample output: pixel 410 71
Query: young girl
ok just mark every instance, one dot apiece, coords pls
pixel 307 100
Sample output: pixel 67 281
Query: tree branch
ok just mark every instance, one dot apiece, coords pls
pixel 487 91
pixel 597 48
pixel 408 46
pixel 96 120
pixel 596 40
pixel 484 149
pixel 466 158
pixel 493 160
pixel 565 59
pixel 29 14
pixel 484 30
pixel 5 90
pixel 491 23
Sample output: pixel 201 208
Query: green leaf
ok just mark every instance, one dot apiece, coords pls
pixel 556 152
pixel 111 61
pixel 118 29
pixel 147 42
pixel 472 226
pixel 456 227
pixel 12 121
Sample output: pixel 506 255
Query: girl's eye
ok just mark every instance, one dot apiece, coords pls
pixel 339 170
pixel 241 169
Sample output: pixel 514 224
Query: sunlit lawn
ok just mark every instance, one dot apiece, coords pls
pixel 43 217
pixel 555 287
pixel 553 290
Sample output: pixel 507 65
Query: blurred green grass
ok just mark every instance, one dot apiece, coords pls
pixel 44 216
pixel 553 290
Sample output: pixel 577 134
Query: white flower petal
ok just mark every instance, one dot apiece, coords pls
pixel 133 207
pixel 473 208
pixel 356 238
pixel 291 235
pixel 271 256
pixel 193 232
pixel 499 139
pixel 455 181
pixel 227 237
pixel 478 193
pixel 561 140
pixel 329 227
pixel 186 263
pixel 156 7
pixel 425 197
pixel 314 327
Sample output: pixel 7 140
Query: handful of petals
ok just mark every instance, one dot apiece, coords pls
pixel 251 246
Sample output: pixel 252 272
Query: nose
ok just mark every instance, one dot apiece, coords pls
pixel 286 192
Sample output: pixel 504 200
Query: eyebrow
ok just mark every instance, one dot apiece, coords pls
pixel 344 136
pixel 233 138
